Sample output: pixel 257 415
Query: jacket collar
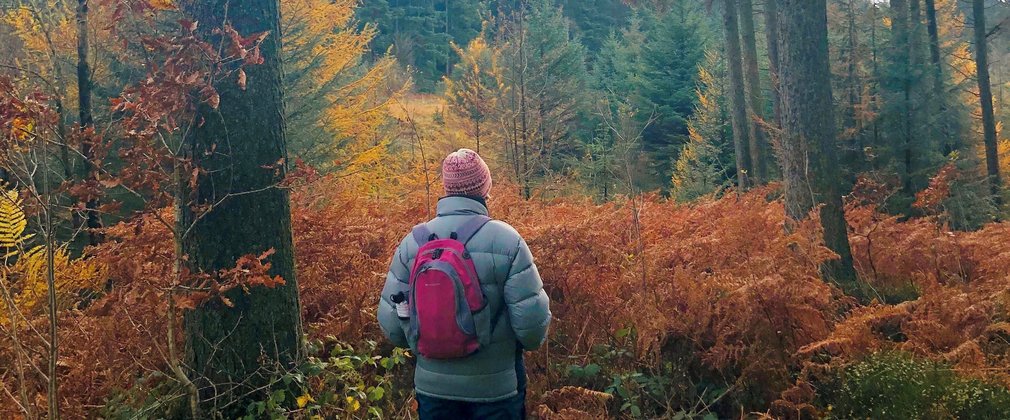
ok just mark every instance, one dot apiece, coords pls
pixel 456 205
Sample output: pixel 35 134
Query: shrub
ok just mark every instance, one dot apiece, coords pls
pixel 898 386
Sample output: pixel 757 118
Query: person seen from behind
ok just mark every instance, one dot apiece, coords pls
pixel 464 295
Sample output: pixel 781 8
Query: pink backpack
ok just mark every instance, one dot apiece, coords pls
pixel 445 293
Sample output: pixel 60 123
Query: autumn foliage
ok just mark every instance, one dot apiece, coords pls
pixel 719 289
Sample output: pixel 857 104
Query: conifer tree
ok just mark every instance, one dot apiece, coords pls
pixel 757 144
pixel 666 85
pixel 985 98
pixel 809 153
pixel 705 165
pixel 543 78
pixel 469 92
pixel 235 347
pixel 595 20
pixel 737 94
pixel 337 95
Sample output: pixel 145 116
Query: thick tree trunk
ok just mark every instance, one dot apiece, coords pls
pixel 235 353
pixel 772 38
pixel 755 99
pixel 985 97
pixel 92 219
pixel 809 156
pixel 737 96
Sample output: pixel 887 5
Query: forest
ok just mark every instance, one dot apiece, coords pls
pixel 741 209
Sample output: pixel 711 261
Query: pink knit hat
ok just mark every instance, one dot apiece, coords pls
pixel 465 173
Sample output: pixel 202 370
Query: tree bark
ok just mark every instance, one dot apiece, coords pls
pixel 985 97
pixel 92 219
pixel 737 95
pixel 755 99
pixel 901 66
pixel 950 142
pixel 853 150
pixel 522 102
pixel 237 353
pixel 772 38
pixel 809 156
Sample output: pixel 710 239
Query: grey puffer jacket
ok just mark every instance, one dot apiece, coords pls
pixel 517 313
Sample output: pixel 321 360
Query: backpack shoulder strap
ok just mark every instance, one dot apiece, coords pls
pixel 469 228
pixel 422 234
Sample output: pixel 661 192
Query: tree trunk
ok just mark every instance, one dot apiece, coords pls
pixel 448 48
pixel 852 88
pixel 522 102
pixel 755 99
pixel 901 81
pixel 737 95
pixel 875 85
pixel 950 142
pixel 809 155
pixel 851 120
pixel 236 353
pixel 919 133
pixel 84 84
pixel 985 97
pixel 772 37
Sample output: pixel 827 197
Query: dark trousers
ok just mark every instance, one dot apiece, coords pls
pixel 430 408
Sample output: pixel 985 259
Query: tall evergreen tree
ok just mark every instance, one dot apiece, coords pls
pixel 595 20
pixel 541 98
pixel 908 139
pixel 420 32
pixel 755 99
pixel 985 99
pixel 809 153
pixel 938 97
pixel 559 78
pixel 772 38
pixel 469 92
pixel 737 94
pixel 233 349
pixel 666 83
pixel 706 164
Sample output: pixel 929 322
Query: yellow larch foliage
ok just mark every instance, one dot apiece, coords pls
pixel 163 4
pixel 470 95
pixel 345 100
pixel 44 27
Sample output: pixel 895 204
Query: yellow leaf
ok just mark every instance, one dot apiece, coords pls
pixel 353 404
pixel 304 400
pixel 12 221
pixel 163 4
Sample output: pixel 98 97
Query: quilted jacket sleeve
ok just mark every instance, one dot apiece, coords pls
pixel 396 282
pixel 527 303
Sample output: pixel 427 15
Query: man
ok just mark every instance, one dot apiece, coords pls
pixel 490 382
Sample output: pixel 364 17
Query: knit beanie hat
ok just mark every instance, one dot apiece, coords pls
pixel 465 173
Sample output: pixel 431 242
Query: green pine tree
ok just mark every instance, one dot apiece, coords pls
pixel 706 164
pixel 665 85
